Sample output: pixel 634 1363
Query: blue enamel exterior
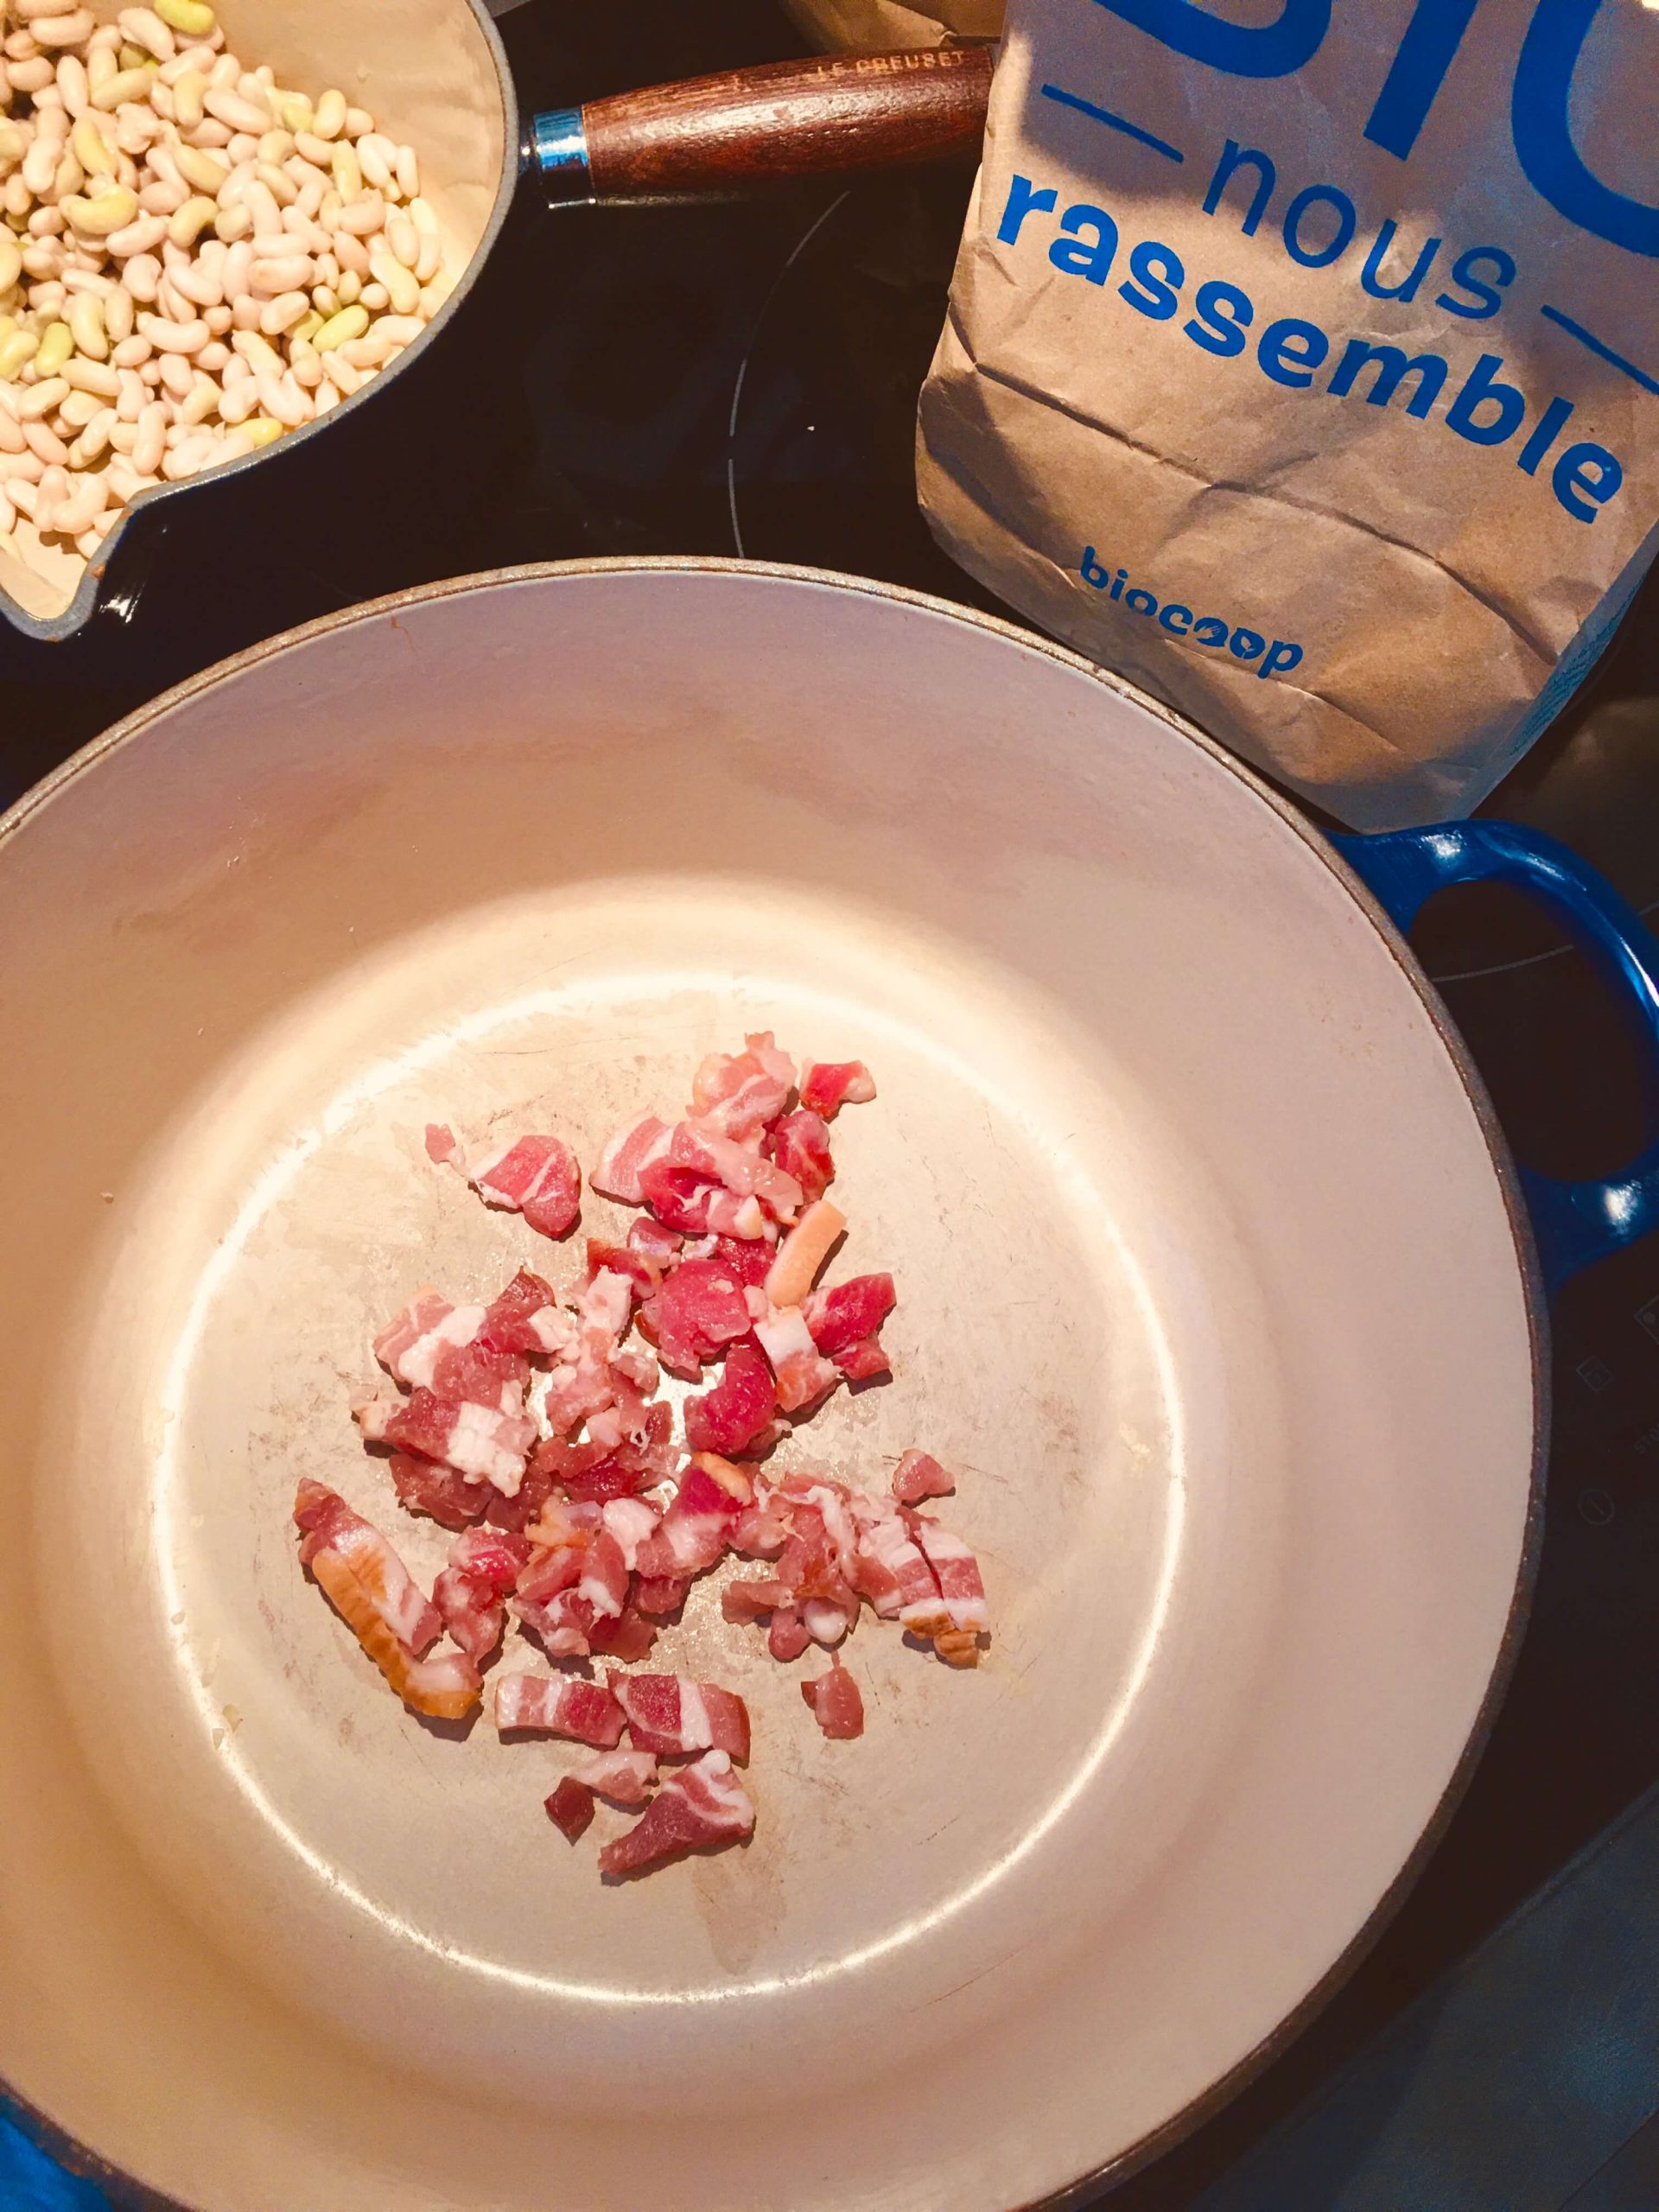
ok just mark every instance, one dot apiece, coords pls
pixel 1576 1224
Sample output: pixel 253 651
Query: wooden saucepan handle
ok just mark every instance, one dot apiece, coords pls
pixel 832 116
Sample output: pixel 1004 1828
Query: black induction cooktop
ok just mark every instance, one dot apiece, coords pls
pixel 741 379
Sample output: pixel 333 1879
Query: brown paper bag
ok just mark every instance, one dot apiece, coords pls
pixel 866 25
pixel 1303 365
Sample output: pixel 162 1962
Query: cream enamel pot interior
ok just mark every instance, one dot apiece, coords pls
pixel 1214 1285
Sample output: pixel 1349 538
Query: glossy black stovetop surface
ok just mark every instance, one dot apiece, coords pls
pixel 742 379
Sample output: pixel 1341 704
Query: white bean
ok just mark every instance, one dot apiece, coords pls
pixel 358 120
pixel 130 406
pixel 239 400
pixel 171 301
pixel 364 216
pixel 142 237
pixel 233 223
pixel 125 86
pixel 163 196
pixel 64 30
pixel 262 357
pixel 402 238
pixel 119 313
pixel 281 398
pixel 45 444
pixel 142 275
pixel 94 440
pixel 430 258
pixel 399 283
pixel 73 88
pixel 188 88
pixel 95 376
pixel 330 116
pixel 277 183
pixel 50 493
pixel 151 441
pixel 202 172
pixel 132 352
pixel 282 273
pixel 175 337
pixel 378 157
pixel 187 288
pixel 191 220
pixel 231 109
pixel 178 376
pixel 143 27
pixel 281 314
pixel 214 357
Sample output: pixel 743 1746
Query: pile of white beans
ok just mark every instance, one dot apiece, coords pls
pixel 192 258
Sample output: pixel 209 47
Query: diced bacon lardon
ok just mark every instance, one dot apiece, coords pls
pixel 410 1347
pixel 740 1093
pixel 558 1706
pixel 702 1804
pixel 443 1147
pixel 669 1716
pixel 699 1310
pixel 703 1149
pixel 625 1777
pixel 738 1409
pixel 329 1524
pixel 846 1313
pixel 358 1581
pixel 696 1529
pixel 478 1442
pixel 802 1374
pixel 803 1253
pixel 471 1591
pixel 615 1173
pixel 536 1176
pixel 525 1318
pixel 643 1271
pixel 570 1807
pixel 682 1199
pixel 836 1703
pixel 919 1475
pixel 799 1144
pixel 424 1486
pixel 788 1636
pixel 828 1085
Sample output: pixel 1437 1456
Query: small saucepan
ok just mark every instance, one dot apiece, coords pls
pixel 435 78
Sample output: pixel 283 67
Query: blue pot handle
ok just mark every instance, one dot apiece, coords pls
pixel 1576 1224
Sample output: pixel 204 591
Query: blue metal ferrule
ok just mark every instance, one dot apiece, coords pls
pixel 559 144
